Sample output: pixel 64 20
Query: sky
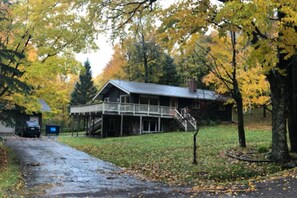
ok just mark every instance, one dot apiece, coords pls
pixel 98 59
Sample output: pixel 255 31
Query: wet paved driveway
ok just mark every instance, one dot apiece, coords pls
pixel 52 169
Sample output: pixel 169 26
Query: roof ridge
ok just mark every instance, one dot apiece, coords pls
pixel 157 84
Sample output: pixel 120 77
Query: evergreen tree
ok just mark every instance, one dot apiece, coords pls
pixel 170 76
pixel 84 90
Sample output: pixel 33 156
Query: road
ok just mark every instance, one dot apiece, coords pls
pixel 52 169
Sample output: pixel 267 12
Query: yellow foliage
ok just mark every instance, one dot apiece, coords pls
pixel 251 79
pixel 113 69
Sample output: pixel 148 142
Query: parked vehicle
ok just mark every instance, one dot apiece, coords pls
pixel 31 128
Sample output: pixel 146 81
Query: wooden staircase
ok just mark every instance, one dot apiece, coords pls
pixel 95 128
pixel 186 120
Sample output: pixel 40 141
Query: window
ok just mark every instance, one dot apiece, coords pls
pixel 154 101
pixel 106 99
pixel 143 100
pixel 150 125
pixel 150 100
pixel 125 98
pixel 173 102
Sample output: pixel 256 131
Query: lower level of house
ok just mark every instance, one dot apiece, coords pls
pixel 117 119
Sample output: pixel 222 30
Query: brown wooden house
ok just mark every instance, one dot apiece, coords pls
pixel 127 108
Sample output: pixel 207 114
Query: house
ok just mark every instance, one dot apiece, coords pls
pixel 19 119
pixel 134 108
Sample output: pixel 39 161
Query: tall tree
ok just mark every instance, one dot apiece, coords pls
pixel 84 90
pixel 222 59
pixel 114 68
pixel 266 26
pixel 292 103
pixel 144 60
pixel 273 35
pixel 10 58
pixel 10 70
pixel 169 74
pixel 37 39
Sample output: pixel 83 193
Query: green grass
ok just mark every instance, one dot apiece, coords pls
pixel 168 156
pixel 10 178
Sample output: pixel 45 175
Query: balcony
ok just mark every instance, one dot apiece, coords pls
pixel 124 108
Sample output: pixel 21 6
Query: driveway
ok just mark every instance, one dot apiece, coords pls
pixel 52 169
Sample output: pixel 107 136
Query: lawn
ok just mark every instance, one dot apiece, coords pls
pixel 10 177
pixel 168 156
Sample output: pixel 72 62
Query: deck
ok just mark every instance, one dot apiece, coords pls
pixel 124 108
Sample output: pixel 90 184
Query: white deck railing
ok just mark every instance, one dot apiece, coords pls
pixel 126 108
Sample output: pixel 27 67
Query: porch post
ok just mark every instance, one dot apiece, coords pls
pixel 159 124
pixel 87 129
pixel 140 125
pixel 102 129
pixel 78 123
pixel 121 131
pixel 84 122
pixel 93 127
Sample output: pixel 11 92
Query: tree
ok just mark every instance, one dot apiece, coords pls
pixel 269 26
pixel 10 59
pixel 169 74
pixel 42 28
pixel 292 103
pixel 10 71
pixel 114 68
pixel 144 61
pixel 223 63
pixel 273 35
pixel 84 90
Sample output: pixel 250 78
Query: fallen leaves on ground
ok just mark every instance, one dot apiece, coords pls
pixel 3 159
pixel 230 189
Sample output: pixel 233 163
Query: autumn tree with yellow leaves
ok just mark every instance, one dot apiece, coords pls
pixel 41 38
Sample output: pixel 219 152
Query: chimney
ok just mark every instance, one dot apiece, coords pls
pixel 192 85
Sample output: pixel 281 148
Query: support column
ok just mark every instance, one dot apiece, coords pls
pixel 140 125
pixel 93 127
pixel 102 127
pixel 121 131
pixel 78 123
pixel 87 129
pixel 84 122
pixel 159 124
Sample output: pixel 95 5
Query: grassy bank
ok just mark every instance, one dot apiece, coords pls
pixel 10 179
pixel 168 156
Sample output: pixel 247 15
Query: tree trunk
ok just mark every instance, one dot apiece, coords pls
pixel 195 145
pixel 237 96
pixel 240 121
pixel 277 82
pixel 145 61
pixel 292 103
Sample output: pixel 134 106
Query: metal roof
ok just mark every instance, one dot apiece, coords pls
pixel 158 90
pixel 44 106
